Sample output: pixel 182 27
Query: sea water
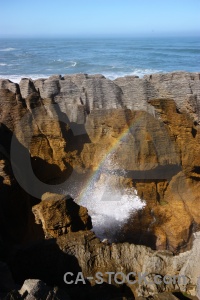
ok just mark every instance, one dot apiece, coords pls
pixel 113 58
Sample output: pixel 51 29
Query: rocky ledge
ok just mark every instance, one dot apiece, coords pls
pixel 55 131
pixel 80 251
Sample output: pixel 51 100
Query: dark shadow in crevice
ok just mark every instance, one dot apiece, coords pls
pixel 74 211
pixel 45 261
pixel 71 131
pixel 160 172
pixel 137 230
pixel 42 260
pixel 50 173
pixel 181 296
pixel 196 169
pixel 194 132
pixel 107 291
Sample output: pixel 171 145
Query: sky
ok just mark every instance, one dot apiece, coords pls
pixel 85 18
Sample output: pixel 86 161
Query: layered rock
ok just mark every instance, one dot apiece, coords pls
pixel 145 132
pixel 94 256
pixel 60 214
pixel 36 289
pixel 89 256
pixel 149 127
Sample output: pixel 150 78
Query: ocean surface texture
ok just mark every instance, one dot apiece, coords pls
pixel 113 58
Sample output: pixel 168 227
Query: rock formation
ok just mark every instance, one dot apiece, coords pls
pixel 55 131
pixel 91 256
pixel 60 214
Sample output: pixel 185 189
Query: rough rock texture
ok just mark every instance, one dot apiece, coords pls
pixel 35 288
pixel 182 87
pixel 60 214
pixel 89 256
pixel 93 256
pixel 149 126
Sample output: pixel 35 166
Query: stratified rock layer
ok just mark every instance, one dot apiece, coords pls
pixel 83 252
pixel 60 214
pixel 149 127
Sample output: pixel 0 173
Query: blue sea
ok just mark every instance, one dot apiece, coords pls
pixel 113 58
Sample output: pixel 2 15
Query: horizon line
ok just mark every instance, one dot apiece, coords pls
pixel 109 36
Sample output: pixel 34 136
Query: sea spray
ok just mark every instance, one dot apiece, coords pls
pixel 109 200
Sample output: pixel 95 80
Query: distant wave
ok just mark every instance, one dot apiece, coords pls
pixel 72 65
pixel 136 72
pixel 17 78
pixel 9 65
pixel 109 75
pixel 69 64
pixel 58 60
pixel 8 49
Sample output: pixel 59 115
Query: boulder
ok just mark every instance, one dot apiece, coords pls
pixel 34 289
pixel 59 214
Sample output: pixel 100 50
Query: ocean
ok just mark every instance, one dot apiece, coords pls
pixel 113 58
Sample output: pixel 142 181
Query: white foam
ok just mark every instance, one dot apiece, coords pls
pixel 110 75
pixel 17 78
pixel 115 203
pixel 74 63
pixel 109 207
pixel 8 49
pixel 9 65
pixel 109 204
pixel 135 72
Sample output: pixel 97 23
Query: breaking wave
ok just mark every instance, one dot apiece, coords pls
pixel 137 72
pixel 109 75
pixel 109 202
pixel 17 78
pixel 8 49
pixel 110 208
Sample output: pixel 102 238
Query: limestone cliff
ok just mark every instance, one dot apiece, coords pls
pixel 83 252
pixel 59 214
pixel 149 127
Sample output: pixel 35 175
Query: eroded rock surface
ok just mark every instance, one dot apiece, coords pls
pixel 60 214
pixel 68 125
pixel 89 256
